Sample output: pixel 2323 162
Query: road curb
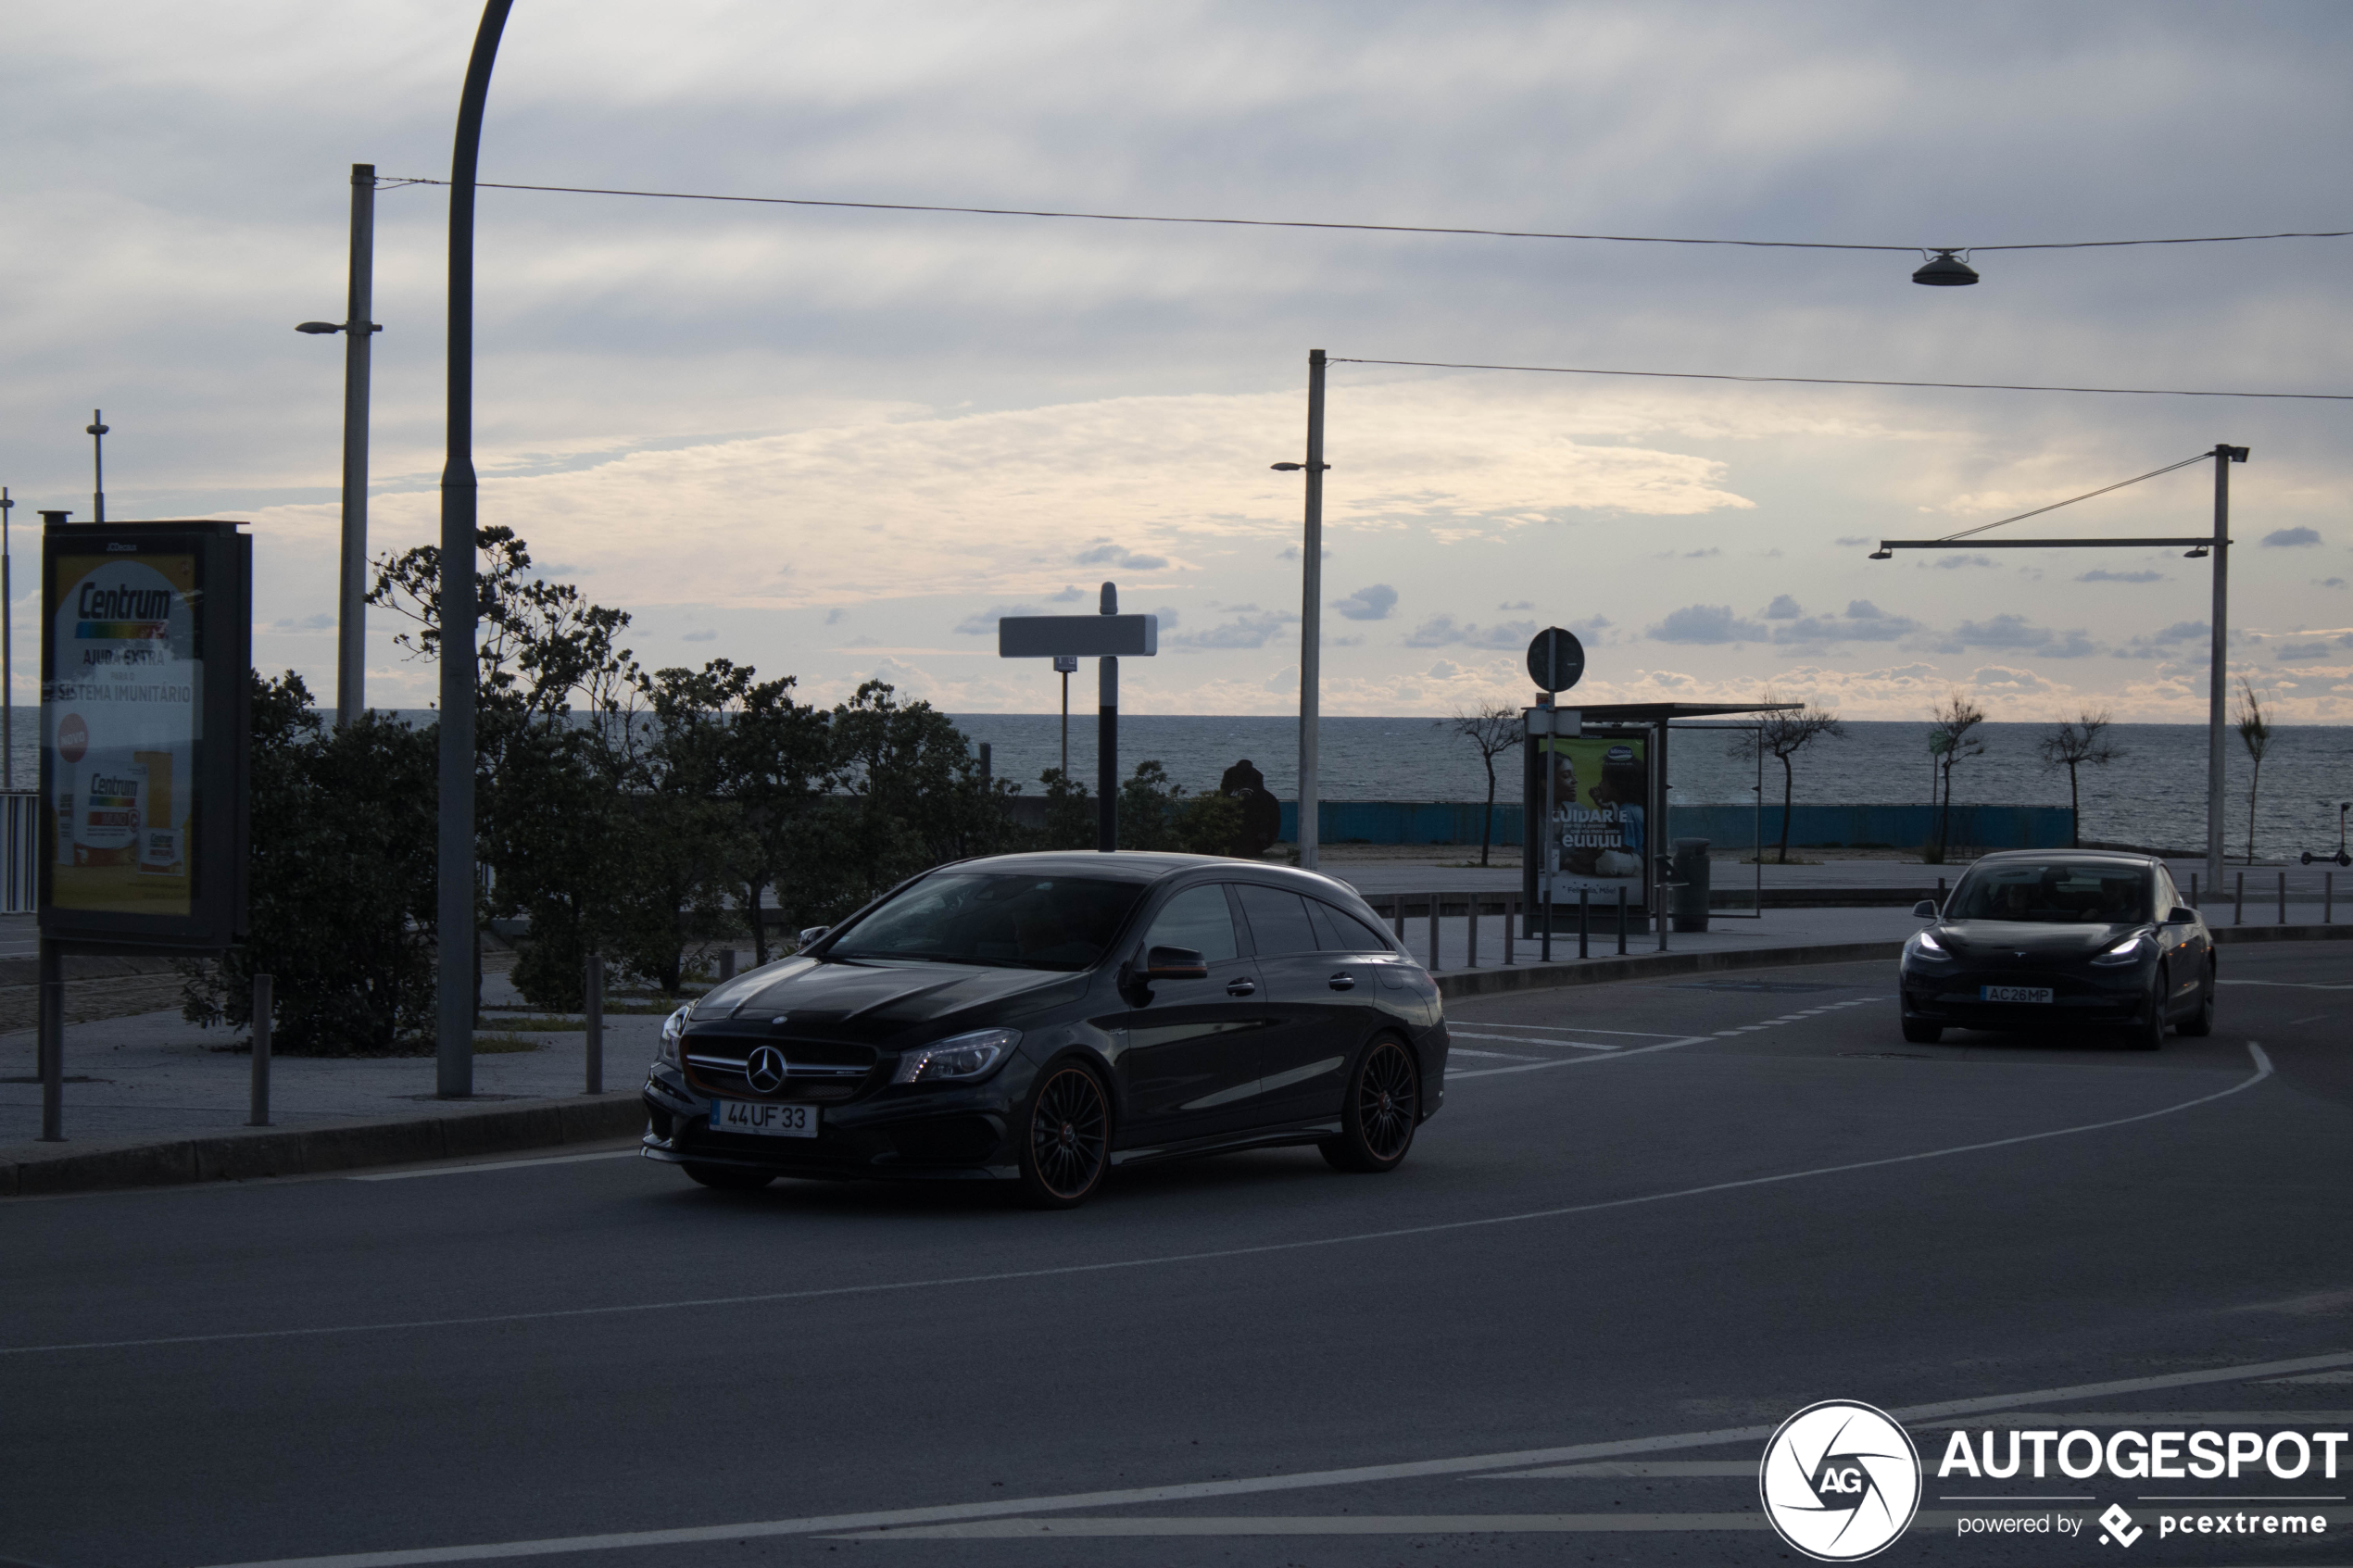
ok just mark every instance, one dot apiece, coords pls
pixel 2225 936
pixel 1464 983
pixel 251 1154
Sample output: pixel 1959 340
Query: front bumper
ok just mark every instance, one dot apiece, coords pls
pixel 1951 994
pixel 947 1135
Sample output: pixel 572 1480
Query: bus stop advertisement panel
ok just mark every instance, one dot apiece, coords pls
pixel 144 719
pixel 1600 833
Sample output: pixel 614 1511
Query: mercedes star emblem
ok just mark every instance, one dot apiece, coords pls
pixel 765 1070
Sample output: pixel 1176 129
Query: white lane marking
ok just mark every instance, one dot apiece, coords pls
pixel 496 1165
pixel 1563 1029
pixel 2262 1071
pixel 1454 1051
pixel 2314 1018
pixel 1453 1033
pixel 1583 1060
pixel 2148 1418
pixel 1249 1486
pixel 1610 1469
pixel 1098 1526
pixel 2291 985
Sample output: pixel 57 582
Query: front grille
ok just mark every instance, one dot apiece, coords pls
pixel 816 1072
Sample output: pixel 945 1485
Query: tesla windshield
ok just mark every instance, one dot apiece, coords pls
pixel 1007 921
pixel 2054 893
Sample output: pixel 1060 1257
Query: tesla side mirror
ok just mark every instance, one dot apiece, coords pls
pixel 1175 963
pixel 1925 908
pixel 2181 915
pixel 810 933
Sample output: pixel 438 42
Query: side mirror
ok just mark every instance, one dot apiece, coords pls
pixel 2183 915
pixel 810 933
pixel 1175 963
pixel 1925 908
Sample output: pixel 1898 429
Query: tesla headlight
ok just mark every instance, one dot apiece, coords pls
pixel 674 1029
pixel 1928 946
pixel 957 1056
pixel 2124 952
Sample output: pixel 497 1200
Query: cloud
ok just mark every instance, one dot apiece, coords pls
pixel 2329 583
pixel 1783 608
pixel 1850 539
pixel 1947 563
pixel 2104 576
pixel 1119 554
pixel 324 620
pixel 2015 631
pixel 1441 630
pixel 2300 651
pixel 984 623
pixel 1167 614
pixel 1445 670
pixel 1864 622
pixel 1368 604
pixel 833 616
pixel 1291 552
pixel 1516 604
pixel 1250 627
pixel 2292 536
pixel 1706 623
pixel 706 635
pixel 1071 593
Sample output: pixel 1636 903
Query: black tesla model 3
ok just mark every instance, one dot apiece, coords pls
pixel 2060 940
pixel 1038 1019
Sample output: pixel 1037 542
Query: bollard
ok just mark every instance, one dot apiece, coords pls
pixel 2193 903
pixel 1584 920
pixel 1470 959
pixel 726 964
pixel 592 1006
pixel 1434 902
pixel 1621 919
pixel 2238 915
pixel 263 1002
pixel 2328 897
pixel 50 1044
pixel 1397 912
pixel 1665 920
pixel 1511 922
pixel 2283 897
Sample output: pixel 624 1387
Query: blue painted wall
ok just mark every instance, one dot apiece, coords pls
pixel 1904 827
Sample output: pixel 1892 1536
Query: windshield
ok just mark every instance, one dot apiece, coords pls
pixel 993 919
pixel 2053 893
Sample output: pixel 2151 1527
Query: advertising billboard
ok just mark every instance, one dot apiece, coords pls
pixel 145 632
pixel 1599 831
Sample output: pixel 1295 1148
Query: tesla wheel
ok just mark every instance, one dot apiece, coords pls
pixel 727 1178
pixel 2200 1023
pixel 1378 1119
pixel 2149 1033
pixel 1922 1033
pixel 1067 1146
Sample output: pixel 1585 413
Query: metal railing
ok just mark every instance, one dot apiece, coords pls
pixel 19 851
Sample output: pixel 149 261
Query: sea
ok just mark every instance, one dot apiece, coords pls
pixel 2153 794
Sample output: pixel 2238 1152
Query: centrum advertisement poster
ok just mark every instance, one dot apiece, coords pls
pixel 1601 793
pixel 122 716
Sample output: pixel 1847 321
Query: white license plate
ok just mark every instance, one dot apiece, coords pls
pixel 2014 993
pixel 763 1119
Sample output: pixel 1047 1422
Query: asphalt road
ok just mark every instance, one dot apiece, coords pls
pixel 1652 1222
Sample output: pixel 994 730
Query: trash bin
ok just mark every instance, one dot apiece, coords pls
pixel 1690 867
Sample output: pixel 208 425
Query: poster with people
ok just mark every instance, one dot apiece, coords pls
pixel 1601 795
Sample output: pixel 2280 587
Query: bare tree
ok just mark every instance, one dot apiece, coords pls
pixel 1782 736
pixel 1494 728
pixel 2070 747
pixel 1949 740
pixel 2255 734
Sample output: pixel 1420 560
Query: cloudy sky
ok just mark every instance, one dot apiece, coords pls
pixel 838 444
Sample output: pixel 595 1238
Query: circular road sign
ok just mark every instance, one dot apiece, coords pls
pixel 1556 660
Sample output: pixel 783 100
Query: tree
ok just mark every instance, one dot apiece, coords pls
pixel 2071 745
pixel 1950 743
pixel 1494 728
pixel 1782 736
pixel 779 770
pixel 2255 734
pixel 916 794
pixel 1156 814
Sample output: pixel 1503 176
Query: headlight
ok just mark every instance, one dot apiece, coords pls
pixel 958 1057
pixel 1927 946
pixel 674 1029
pixel 2124 952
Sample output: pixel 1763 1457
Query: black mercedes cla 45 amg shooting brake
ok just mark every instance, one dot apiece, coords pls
pixel 1038 1019
pixel 2060 940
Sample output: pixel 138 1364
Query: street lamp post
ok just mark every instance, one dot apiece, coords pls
pixel 7 654
pixel 456 609
pixel 97 431
pixel 359 327
pixel 1311 625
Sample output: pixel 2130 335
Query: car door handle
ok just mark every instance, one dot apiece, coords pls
pixel 1240 988
pixel 1343 981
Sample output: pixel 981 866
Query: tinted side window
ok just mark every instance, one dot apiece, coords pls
pixel 1278 922
pixel 1337 930
pixel 1197 918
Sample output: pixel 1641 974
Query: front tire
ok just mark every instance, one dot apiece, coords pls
pixel 1921 1033
pixel 2199 1024
pixel 2149 1033
pixel 1378 1117
pixel 727 1178
pixel 1065 1140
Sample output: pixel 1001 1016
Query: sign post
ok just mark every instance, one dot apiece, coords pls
pixel 147 641
pixel 1555 662
pixel 1105 636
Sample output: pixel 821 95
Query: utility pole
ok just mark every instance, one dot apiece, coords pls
pixel 458 613
pixel 1065 665
pixel 7 654
pixel 1107 740
pixel 359 330
pixel 1310 625
pixel 2216 674
pixel 97 431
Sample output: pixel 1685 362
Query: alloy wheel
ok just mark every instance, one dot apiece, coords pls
pixel 1386 1097
pixel 1068 1134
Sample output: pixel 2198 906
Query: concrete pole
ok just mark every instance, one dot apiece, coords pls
pixel 2218 679
pixel 454 906
pixel 7 654
pixel 1311 631
pixel 359 338
pixel 1107 741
